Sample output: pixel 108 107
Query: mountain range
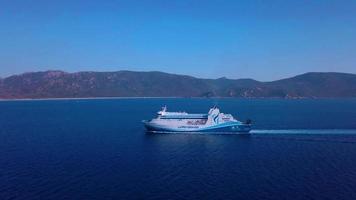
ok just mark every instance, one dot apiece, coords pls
pixel 59 84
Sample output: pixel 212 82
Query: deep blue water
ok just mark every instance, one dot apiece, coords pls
pixel 97 149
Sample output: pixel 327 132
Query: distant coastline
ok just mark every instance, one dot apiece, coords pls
pixel 93 98
pixel 58 85
pixel 118 98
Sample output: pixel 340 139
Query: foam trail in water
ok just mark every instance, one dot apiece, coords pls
pixel 304 131
pixel 272 131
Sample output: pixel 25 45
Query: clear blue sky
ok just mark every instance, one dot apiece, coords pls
pixel 264 40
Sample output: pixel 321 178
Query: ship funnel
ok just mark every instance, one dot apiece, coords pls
pixel 214 110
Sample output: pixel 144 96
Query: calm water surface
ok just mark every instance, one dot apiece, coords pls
pixel 97 149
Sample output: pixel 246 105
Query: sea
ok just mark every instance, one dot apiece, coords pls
pixel 98 149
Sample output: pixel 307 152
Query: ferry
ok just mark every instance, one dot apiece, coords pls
pixel 213 121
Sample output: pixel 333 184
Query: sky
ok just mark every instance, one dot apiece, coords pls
pixel 263 40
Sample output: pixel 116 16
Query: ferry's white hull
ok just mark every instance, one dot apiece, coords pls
pixel 223 127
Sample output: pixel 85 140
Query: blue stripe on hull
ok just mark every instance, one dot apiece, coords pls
pixel 226 128
pixel 238 128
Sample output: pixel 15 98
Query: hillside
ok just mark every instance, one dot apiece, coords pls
pixel 58 84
